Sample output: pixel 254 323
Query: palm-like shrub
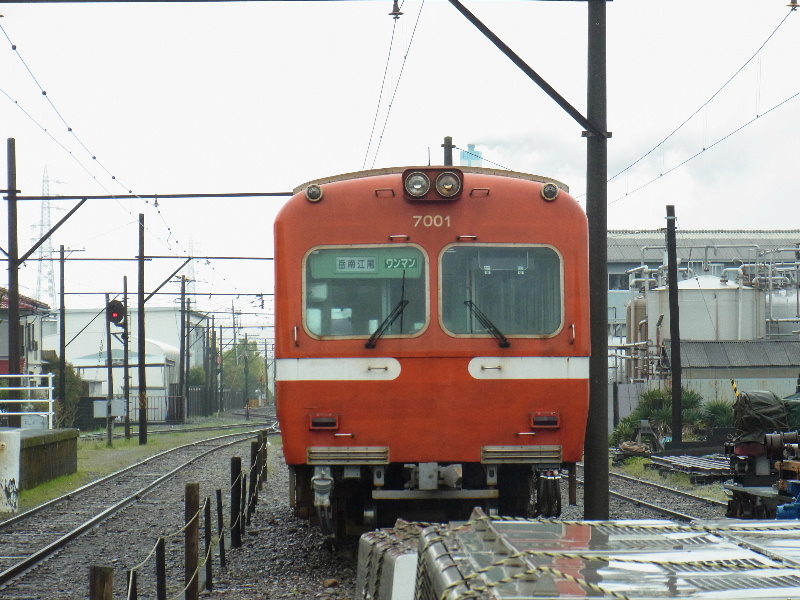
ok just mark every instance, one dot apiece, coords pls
pixel 718 413
pixel 655 406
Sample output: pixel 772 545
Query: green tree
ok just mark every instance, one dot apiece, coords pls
pixel 66 410
pixel 197 376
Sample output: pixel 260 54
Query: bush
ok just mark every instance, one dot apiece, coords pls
pixel 718 413
pixel 655 406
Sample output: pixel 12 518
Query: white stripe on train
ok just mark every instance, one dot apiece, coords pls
pixel 387 369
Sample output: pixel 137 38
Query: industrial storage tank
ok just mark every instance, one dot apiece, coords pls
pixel 711 309
pixel 783 313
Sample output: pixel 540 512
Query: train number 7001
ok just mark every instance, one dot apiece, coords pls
pixel 431 220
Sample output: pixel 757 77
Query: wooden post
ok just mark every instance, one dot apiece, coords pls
pixel 161 570
pixel 253 496
pixel 101 582
pixel 236 501
pixel 133 588
pixel 220 530
pixel 264 456
pixel 191 540
pixel 243 504
pixel 207 529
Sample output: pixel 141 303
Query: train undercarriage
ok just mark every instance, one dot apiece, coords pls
pixel 347 500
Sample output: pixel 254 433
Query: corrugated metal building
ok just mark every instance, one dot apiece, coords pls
pixel 708 367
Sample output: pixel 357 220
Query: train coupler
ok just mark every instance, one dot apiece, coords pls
pixel 322 484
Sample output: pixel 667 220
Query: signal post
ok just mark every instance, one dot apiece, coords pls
pixel 115 314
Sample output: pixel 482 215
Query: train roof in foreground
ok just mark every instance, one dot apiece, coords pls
pixel 400 170
pixel 637 560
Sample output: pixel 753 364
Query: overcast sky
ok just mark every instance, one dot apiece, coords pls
pixel 263 96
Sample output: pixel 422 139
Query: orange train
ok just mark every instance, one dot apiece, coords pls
pixel 432 344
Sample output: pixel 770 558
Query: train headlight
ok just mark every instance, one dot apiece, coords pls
pixel 448 184
pixel 417 184
pixel 550 191
pixel 313 193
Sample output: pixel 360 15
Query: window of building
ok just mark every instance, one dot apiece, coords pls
pixel 618 281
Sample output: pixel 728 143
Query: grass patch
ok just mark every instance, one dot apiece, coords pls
pixel 96 459
pixel 635 467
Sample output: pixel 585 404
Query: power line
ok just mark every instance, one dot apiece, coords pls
pixel 153 257
pixel 397 85
pixel 158 196
pixel 719 141
pixel 706 103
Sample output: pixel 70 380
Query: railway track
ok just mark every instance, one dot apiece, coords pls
pixel 649 498
pixel 662 499
pixel 33 536
pixel 261 422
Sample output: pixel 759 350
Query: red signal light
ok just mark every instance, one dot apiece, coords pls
pixel 115 312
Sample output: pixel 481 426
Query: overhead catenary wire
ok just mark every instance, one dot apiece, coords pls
pixel 703 107
pixel 692 157
pixel 171 241
pixel 85 148
pixel 707 102
pixel 380 93
pixel 397 85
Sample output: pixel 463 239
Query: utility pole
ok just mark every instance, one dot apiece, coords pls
pixel 212 369
pixel 221 373
pixel 141 342
pixel 13 279
pixel 596 447
pixel 674 328
pixel 182 351
pixel 188 358
pixel 62 332
pixel 126 380
pixel 246 373
pixel 14 261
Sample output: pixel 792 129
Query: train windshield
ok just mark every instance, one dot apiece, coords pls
pixel 351 291
pixel 518 288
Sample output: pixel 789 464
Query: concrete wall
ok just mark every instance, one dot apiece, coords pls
pixel 47 454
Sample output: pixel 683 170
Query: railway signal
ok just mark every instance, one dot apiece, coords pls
pixel 115 312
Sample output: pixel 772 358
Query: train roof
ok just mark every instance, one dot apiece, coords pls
pixel 636 560
pixel 464 169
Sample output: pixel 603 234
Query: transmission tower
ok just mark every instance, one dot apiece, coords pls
pixel 45 280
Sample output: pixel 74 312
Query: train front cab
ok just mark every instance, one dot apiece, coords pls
pixel 433 356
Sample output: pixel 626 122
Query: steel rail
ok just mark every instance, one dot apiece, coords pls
pixel 270 425
pixel 654 507
pixel 33 559
pixel 671 490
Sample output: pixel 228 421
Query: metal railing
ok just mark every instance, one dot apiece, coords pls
pixel 25 387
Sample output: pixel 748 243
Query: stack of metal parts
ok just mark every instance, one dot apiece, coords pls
pixel 496 558
pixel 387 562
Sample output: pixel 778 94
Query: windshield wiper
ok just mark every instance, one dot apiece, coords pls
pixel 487 324
pixel 386 323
